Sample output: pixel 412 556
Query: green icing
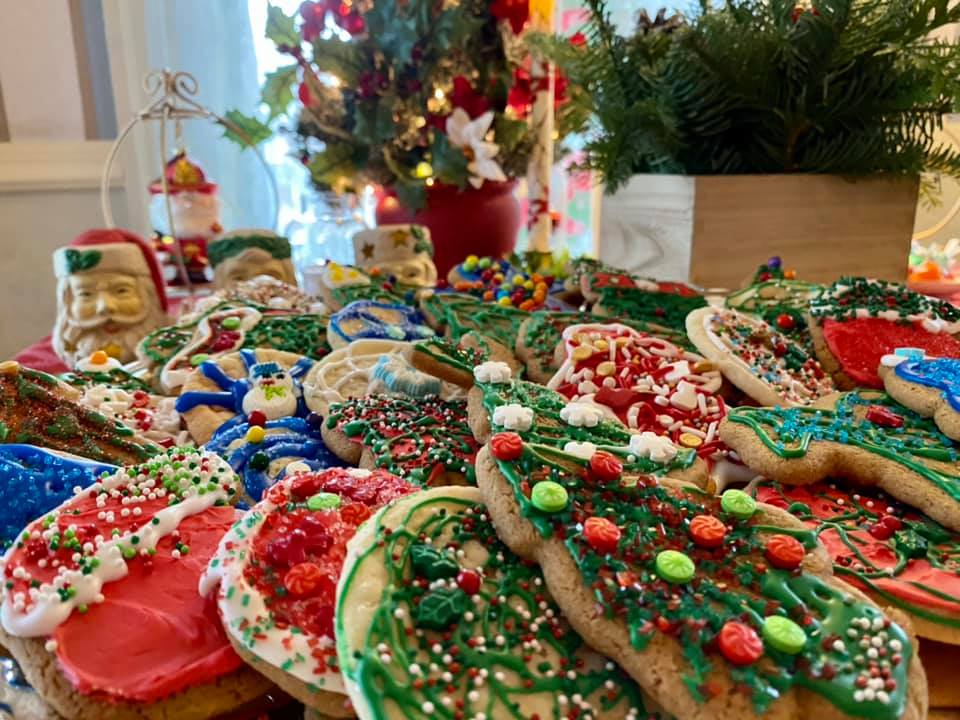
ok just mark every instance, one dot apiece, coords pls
pixel 732 583
pixel 461 314
pixel 917 445
pixel 848 296
pixel 116 378
pixel 419 625
pixel 456 356
pixel 300 334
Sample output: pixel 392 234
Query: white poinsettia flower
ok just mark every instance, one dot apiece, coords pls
pixel 469 135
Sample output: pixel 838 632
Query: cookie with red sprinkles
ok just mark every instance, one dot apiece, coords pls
pixel 275 575
pixel 436 618
pixel 718 607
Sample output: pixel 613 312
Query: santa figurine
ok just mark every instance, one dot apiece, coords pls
pixel 195 206
pixel 244 254
pixel 110 293
pixel 402 251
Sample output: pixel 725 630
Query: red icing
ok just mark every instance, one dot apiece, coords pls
pixel 298 553
pixel 859 344
pixel 154 635
pixel 904 586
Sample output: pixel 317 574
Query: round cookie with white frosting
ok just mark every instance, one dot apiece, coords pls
pixel 276 571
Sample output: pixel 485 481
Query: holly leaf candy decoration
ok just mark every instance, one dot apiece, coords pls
pixel 433 564
pixel 441 608
pixel 80 260
pixel 910 543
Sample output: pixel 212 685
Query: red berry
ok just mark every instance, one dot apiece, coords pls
pixel 257 417
pixel 707 531
pixel 784 552
pixel 601 534
pixel 739 643
pixel 880 531
pixel 606 467
pixel 785 321
pixel 506 446
pixel 469 581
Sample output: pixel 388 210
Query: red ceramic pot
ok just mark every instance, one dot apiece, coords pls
pixel 472 222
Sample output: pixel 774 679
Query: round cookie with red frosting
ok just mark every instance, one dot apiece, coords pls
pixel 100 604
pixel 856 321
pixel 276 572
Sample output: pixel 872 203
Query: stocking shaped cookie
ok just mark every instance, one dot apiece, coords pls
pixel 719 607
pixel 425 441
pixel 645 382
pixel 437 618
pixel 37 409
pixel 128 553
pixel 275 574
pixel 767 365
pixel 865 437
pixel 856 321
pixel 893 553
pixel 544 417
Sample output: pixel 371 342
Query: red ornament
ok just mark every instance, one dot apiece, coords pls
pixel 515 11
pixel 257 417
pixel 601 534
pixel 784 552
pixel 469 581
pixel 506 446
pixel 303 579
pixel 785 321
pixel 739 643
pixel 606 467
pixel 578 39
pixel 707 531
pixel 879 415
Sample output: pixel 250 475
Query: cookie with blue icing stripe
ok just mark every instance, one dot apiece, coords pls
pixel 928 386
pixel 369 319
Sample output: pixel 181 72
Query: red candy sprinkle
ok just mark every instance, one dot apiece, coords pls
pixel 601 534
pixel 784 552
pixel 707 531
pixel 879 415
pixel 303 579
pixel 739 643
pixel 257 417
pixel 469 581
pixel 784 321
pixel 506 446
pixel 605 466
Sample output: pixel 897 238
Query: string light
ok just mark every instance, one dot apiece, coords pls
pixel 430 182
pixel 423 170
pixel 420 121
pixel 438 93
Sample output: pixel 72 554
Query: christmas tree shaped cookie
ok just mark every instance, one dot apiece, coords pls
pixel 620 295
pixel 426 441
pixel 865 437
pixel 856 321
pixel 275 575
pixel 545 417
pixel 719 607
pixel 459 314
pixel 893 553
pixel 37 409
pixel 436 618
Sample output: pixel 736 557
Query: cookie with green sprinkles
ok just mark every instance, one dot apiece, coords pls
pixel 436 618
pixel 864 438
pixel 719 607
pixel 455 361
pixel 275 575
pixel 780 302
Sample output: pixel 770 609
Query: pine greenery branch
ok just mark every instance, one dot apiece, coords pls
pixel 850 87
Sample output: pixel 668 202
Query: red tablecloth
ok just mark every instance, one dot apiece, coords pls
pixel 40 356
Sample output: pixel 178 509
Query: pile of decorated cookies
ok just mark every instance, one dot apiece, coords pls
pixel 504 494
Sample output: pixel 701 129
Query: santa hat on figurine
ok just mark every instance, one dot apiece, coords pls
pixel 404 251
pixel 115 250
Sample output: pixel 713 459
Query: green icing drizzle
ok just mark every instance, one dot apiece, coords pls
pixel 415 625
pixel 300 334
pixel 116 378
pixel 461 314
pixel 847 296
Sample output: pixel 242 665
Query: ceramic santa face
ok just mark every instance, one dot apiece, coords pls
pixel 404 251
pixel 109 295
pixel 245 254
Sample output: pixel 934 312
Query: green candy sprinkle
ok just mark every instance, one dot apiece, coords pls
pixel 195 360
pixel 783 634
pixel 738 503
pixel 323 501
pixel 231 323
pixel 549 496
pixel 674 566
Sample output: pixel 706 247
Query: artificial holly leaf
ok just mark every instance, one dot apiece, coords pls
pixel 395 31
pixel 244 130
pixel 449 162
pixel 277 91
pixel 413 196
pixel 281 28
pixel 341 59
pixel 328 167
pixel 441 608
pixel 374 120
pixel 432 564
pixel 80 260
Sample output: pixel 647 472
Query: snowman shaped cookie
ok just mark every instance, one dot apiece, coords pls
pixel 273 391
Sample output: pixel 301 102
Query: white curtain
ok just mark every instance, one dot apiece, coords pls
pixel 212 40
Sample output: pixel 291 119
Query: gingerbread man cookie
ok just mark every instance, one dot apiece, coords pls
pixel 928 386
pixel 432 599
pixel 719 607
pixel 865 437
pixel 275 575
pixel 764 363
